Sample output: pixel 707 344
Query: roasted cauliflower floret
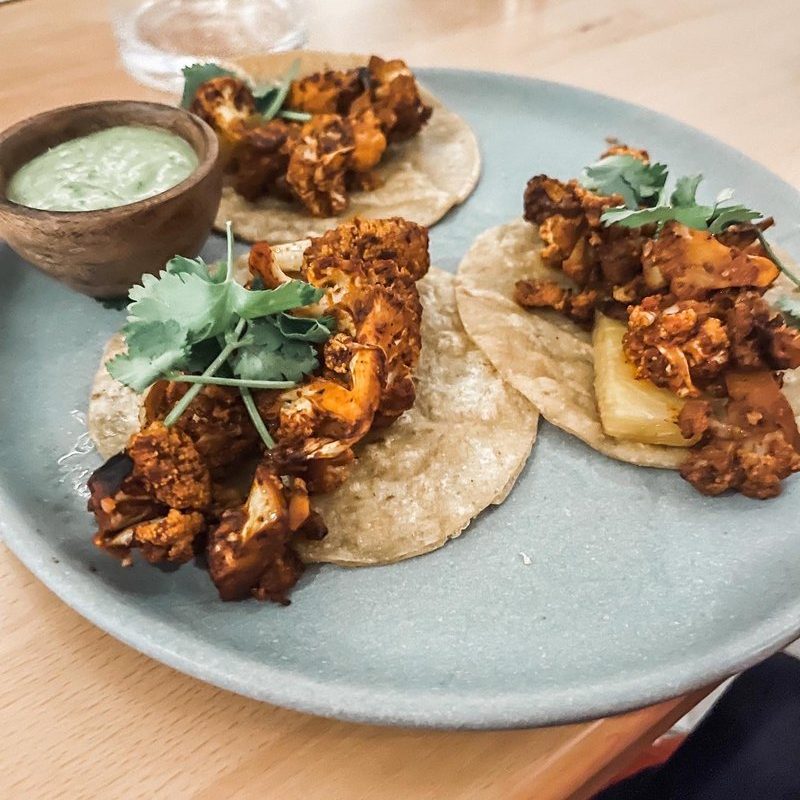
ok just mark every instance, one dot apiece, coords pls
pixel 370 286
pixel 751 448
pixel 216 422
pixel 369 140
pixel 329 92
pixel 324 417
pixel 318 164
pixel 248 553
pixel 676 346
pixel 168 464
pixel 169 538
pixel 227 105
pixel 578 306
pixel 605 261
pixel 691 264
pixel 560 235
pixel 396 98
pixel 261 157
pixel 119 502
pixel 392 239
pixel 686 345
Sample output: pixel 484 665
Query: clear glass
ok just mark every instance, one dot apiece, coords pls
pixel 157 38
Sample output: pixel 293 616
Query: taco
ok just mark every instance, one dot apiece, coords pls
pixel 310 138
pixel 383 432
pixel 645 323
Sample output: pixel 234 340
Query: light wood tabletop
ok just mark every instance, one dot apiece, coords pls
pixel 82 715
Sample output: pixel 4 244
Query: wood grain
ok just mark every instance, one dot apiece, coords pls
pixel 84 716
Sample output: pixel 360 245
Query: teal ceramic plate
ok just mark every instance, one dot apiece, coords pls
pixel 637 588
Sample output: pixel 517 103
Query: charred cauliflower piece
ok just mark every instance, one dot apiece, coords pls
pixel 151 496
pixel 691 264
pixel 323 418
pixel 369 140
pixel 371 287
pixel 318 164
pixel 393 239
pixel 686 345
pixel 677 346
pixel 751 448
pixel 169 538
pixel 216 422
pixel 248 553
pixel 169 466
pixel 329 92
pixel 261 157
pixel 604 261
pixel 578 306
pixel 395 97
pixel 227 105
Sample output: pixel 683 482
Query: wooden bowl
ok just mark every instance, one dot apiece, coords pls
pixel 101 253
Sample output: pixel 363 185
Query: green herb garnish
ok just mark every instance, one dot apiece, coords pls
pixel 269 97
pixel 195 318
pixel 681 205
pixel 636 182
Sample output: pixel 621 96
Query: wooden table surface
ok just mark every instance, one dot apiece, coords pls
pixel 81 715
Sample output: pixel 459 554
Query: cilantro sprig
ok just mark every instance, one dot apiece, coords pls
pixel 643 188
pixel 682 206
pixel 194 323
pixel 636 182
pixel 269 97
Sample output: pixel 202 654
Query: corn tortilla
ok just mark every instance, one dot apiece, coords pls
pixel 542 354
pixel 422 178
pixel 417 483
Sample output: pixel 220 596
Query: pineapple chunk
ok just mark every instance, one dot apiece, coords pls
pixel 631 408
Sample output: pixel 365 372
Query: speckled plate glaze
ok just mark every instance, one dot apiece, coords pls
pixel 596 587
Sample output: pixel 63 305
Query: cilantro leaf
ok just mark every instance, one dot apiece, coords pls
pixel 204 309
pixel 199 307
pixel 201 355
pixel 693 216
pixel 721 217
pixel 154 348
pixel 685 192
pixel 789 304
pixel 196 266
pixel 627 176
pixel 250 304
pixel 196 75
pixel 270 356
pixel 307 329
pixel 684 208
pixel 196 319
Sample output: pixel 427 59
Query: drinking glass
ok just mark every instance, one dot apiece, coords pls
pixel 157 38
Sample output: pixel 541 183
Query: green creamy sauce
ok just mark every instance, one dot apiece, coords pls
pixel 109 168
